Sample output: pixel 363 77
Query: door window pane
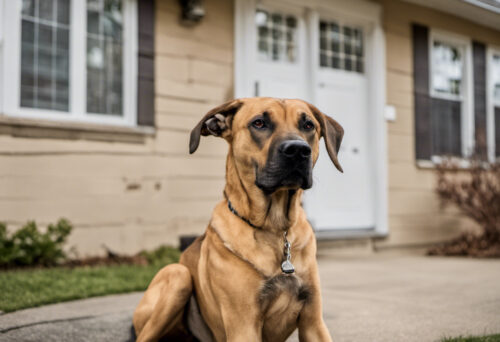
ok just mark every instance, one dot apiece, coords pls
pixel 45 54
pixel 277 36
pixel 104 57
pixel 341 47
pixel 447 69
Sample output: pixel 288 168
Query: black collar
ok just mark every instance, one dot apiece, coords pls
pixel 247 221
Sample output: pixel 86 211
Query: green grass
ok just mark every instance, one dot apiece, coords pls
pixel 20 289
pixel 489 338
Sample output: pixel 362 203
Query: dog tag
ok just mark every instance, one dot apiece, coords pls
pixel 287 267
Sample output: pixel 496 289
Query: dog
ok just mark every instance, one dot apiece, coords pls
pixel 253 275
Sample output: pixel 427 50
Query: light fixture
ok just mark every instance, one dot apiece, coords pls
pixel 192 11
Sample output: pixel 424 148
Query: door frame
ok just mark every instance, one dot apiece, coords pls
pixel 245 54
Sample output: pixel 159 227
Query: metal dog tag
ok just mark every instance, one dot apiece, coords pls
pixel 287 267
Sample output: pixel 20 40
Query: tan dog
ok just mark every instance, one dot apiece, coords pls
pixel 237 275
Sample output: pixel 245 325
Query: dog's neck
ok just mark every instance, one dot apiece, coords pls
pixel 275 212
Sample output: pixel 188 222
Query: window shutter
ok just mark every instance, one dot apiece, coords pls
pixel 423 135
pixel 479 70
pixel 146 59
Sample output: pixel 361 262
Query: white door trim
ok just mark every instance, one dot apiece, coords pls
pixel 245 57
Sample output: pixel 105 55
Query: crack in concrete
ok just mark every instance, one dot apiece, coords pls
pixel 3 331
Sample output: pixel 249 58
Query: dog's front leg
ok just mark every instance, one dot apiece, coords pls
pixel 311 325
pixel 241 326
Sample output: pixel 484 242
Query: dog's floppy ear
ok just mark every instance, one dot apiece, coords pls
pixel 332 132
pixel 215 122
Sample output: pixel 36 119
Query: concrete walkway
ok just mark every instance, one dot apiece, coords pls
pixel 375 298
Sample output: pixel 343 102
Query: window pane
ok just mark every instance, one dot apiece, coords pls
pixel 28 7
pixel 495 74
pixel 497 131
pixel 446 122
pixel 341 47
pixel 46 9
pixel 104 57
pixel 45 54
pixel 447 68
pixel 277 36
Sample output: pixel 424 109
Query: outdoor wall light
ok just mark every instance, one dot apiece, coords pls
pixel 192 11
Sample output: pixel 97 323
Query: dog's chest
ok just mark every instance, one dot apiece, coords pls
pixel 281 298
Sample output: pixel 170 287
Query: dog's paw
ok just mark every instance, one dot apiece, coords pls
pixel 216 124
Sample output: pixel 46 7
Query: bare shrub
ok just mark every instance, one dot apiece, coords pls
pixel 476 192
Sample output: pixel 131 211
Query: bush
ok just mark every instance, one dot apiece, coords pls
pixel 476 193
pixel 162 255
pixel 30 247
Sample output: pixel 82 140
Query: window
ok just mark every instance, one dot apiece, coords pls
pixel 104 56
pixel 495 77
pixel 45 55
pixel 447 70
pixel 341 47
pixel 63 65
pixel 277 36
pixel 452 118
pixel 494 93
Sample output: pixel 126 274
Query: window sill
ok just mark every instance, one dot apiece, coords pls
pixel 425 164
pixel 39 128
pixel 463 164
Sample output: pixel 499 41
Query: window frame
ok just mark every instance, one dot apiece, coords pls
pixel 10 103
pixel 491 103
pixel 466 96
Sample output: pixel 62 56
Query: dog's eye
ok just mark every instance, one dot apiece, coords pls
pixel 308 125
pixel 259 124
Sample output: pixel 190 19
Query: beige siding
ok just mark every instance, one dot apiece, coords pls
pixel 415 216
pixel 141 191
pixel 147 191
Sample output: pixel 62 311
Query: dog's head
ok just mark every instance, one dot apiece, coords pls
pixel 275 142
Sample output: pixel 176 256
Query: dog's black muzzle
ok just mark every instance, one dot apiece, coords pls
pixel 289 164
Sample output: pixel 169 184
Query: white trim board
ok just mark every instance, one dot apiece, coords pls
pixel 370 14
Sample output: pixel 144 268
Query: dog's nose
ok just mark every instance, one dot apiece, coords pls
pixel 295 149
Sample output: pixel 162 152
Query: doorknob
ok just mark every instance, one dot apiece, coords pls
pixel 256 88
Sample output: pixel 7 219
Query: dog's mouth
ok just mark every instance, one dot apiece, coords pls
pixel 271 178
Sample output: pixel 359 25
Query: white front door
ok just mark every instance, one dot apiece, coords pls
pixel 343 201
pixel 335 79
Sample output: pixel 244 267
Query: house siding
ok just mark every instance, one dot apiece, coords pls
pixel 139 191
pixel 415 214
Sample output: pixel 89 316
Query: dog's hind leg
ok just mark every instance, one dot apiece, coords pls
pixel 161 308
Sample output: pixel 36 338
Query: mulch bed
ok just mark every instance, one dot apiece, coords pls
pixel 471 245
pixel 111 259
pixel 108 260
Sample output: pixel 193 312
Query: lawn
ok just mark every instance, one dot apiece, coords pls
pixel 27 288
pixel 489 338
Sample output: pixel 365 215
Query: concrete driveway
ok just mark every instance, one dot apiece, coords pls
pixel 370 298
